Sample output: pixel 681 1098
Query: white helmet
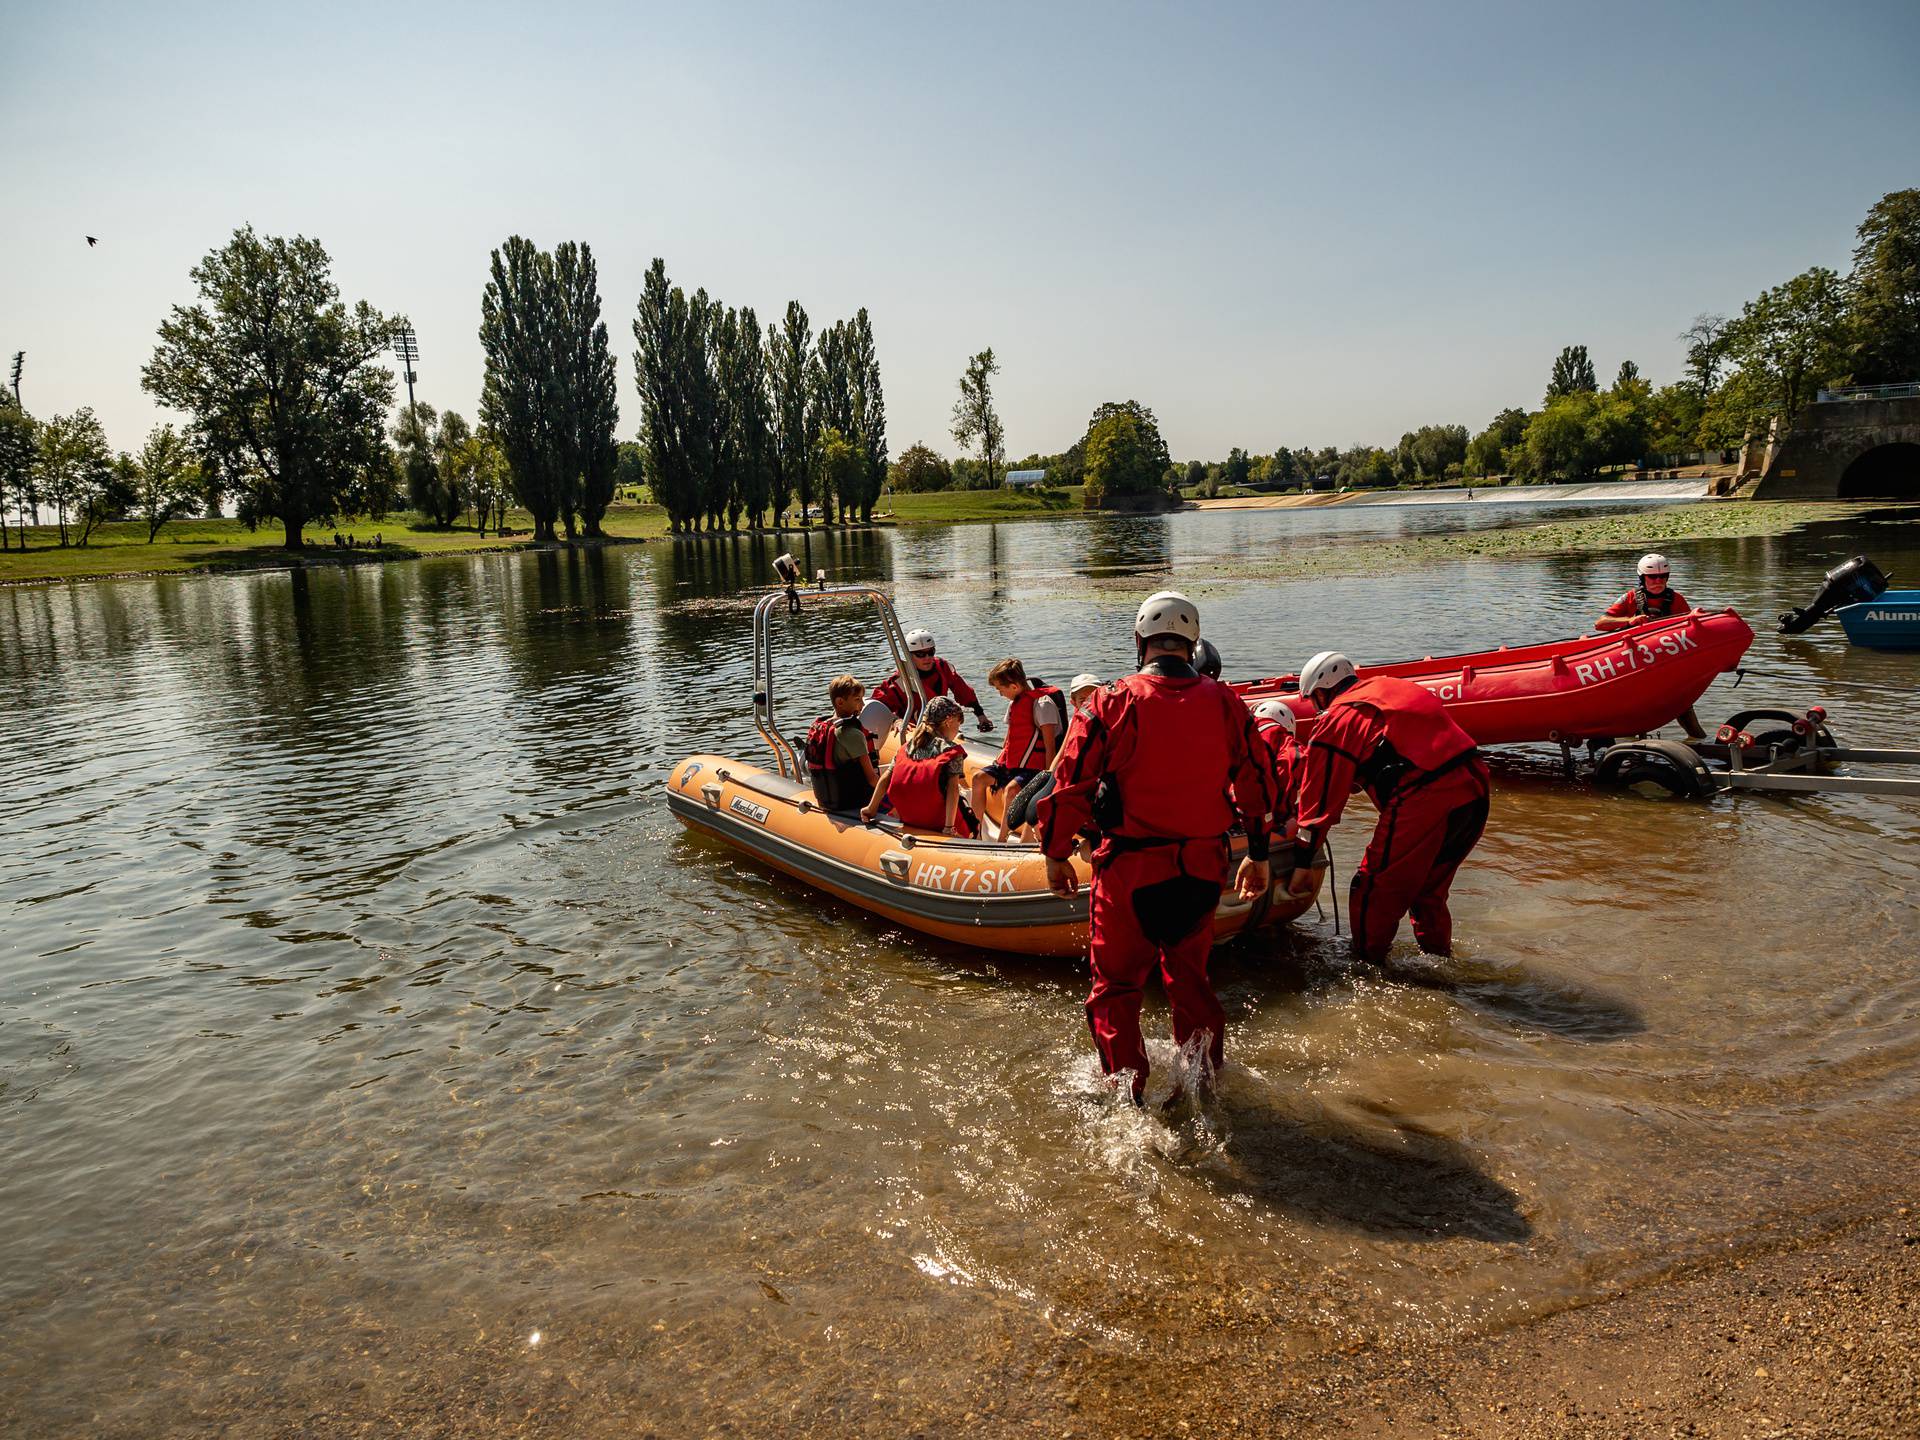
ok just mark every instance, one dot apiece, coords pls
pixel 919 640
pixel 1324 671
pixel 1275 710
pixel 1654 565
pixel 1167 613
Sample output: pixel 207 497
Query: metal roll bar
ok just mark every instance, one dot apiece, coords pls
pixel 791 597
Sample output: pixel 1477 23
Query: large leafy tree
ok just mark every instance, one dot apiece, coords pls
pixel 1885 288
pixel 1496 449
pixel 1572 373
pixel 975 421
pixel 919 470
pixel 1792 339
pixel 796 422
pixel 1125 455
pixel 76 474
pixel 842 468
pixel 19 451
pixel 280 379
pixel 416 454
pixel 166 479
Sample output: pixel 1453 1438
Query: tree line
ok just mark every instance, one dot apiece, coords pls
pixel 288 405
pixel 1817 330
pixel 738 423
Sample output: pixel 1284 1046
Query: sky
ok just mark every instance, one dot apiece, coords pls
pixel 1273 224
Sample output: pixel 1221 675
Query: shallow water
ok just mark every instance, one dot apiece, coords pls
pixel 364 1016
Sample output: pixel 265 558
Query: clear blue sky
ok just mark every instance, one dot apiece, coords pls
pixel 1274 224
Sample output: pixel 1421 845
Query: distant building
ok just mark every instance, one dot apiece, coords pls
pixel 1321 482
pixel 1025 479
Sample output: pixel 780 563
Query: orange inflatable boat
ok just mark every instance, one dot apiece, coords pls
pixel 977 892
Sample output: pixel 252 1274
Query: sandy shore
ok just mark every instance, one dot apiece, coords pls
pixel 1817 1340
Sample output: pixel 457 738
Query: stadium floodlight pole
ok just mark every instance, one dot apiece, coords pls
pixel 19 359
pixel 406 349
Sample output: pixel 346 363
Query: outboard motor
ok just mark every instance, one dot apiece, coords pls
pixel 1859 579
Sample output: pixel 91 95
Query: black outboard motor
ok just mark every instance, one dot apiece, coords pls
pixel 1849 584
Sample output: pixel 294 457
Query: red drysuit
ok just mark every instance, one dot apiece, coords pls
pixel 1285 759
pixel 1183 755
pixel 1394 738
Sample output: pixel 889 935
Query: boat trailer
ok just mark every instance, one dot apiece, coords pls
pixel 1770 750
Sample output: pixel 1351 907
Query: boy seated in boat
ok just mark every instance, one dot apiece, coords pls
pixel 924 780
pixel 842 760
pixel 1036 720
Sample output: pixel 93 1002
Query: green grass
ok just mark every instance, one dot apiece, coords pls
pixel 190 546
pixel 952 507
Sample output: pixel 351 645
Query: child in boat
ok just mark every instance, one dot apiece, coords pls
pixel 1020 810
pixel 841 759
pixel 924 779
pixel 1036 720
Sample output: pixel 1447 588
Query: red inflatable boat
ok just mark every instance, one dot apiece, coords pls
pixel 1598 687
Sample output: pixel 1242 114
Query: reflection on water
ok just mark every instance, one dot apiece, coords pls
pixel 363 1011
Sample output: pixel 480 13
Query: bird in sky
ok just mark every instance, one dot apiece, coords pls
pixel 92 240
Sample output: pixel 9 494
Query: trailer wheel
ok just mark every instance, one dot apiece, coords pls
pixel 1664 763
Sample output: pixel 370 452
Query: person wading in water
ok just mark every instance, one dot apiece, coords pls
pixel 1181 763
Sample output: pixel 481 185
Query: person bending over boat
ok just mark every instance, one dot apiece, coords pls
pixel 1394 739
pixel 936 676
pixel 1020 810
pixel 1275 721
pixel 925 777
pixel 842 760
pixel 1181 764
pixel 1036 716
pixel 1652 598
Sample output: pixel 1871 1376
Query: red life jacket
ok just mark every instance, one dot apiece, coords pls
pixel 919 793
pixel 1418 734
pixel 1177 782
pixel 943 679
pixel 1656 607
pixel 1023 750
pixel 837 785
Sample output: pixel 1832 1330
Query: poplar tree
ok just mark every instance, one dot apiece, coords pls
pixel 752 425
pixel 869 409
pixel 796 424
pixel 675 379
pixel 585 388
pixel 517 400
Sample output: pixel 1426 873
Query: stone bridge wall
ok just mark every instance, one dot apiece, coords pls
pixel 1825 439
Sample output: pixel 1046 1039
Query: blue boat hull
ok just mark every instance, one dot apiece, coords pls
pixel 1890 621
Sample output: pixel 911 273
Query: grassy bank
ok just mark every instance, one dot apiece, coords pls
pixel 957 507
pixel 218 546
pixel 215 546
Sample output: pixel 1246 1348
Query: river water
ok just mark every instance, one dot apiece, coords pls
pixel 375 1049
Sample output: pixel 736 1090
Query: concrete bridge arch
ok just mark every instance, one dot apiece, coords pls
pixel 1849 445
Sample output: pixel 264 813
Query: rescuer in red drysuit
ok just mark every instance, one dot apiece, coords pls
pixel 1275 721
pixel 1652 598
pixel 1182 765
pixel 1421 771
pixel 936 676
